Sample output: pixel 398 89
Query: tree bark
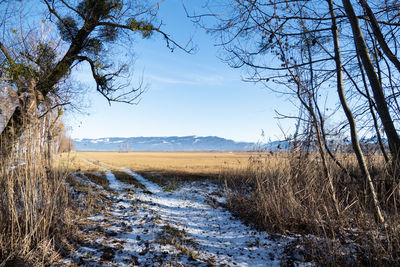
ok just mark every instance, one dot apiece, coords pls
pixel 379 36
pixel 11 132
pixel 353 129
pixel 380 100
pixel 371 109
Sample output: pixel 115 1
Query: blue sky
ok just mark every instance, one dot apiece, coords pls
pixel 188 94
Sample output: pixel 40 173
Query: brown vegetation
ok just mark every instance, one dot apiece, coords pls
pixel 36 213
pixel 289 193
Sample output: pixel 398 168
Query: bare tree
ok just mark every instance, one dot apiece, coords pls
pixel 279 43
pixel 354 136
pixel 88 30
pixel 382 106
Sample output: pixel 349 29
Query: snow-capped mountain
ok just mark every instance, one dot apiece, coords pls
pixel 194 143
pixel 171 143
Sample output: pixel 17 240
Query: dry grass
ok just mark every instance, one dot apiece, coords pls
pixel 36 211
pixel 172 164
pixel 127 178
pixel 177 238
pixel 289 193
pixel 98 178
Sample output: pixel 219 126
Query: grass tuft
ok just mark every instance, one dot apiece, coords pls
pixel 128 179
pixel 98 178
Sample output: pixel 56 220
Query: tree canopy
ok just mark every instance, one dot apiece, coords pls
pixel 37 67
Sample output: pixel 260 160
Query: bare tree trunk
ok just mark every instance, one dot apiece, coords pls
pixel 354 137
pixel 379 36
pixel 382 107
pixel 22 117
pixel 11 132
pixel 371 109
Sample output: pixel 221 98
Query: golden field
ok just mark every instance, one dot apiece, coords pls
pixel 199 164
pixel 176 164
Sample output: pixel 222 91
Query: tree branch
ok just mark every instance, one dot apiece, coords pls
pixel 166 36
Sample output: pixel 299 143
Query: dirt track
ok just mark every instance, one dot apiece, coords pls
pixel 185 227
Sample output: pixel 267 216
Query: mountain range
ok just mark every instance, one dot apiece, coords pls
pixel 171 143
pixel 195 143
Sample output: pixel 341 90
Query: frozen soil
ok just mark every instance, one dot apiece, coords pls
pixel 146 226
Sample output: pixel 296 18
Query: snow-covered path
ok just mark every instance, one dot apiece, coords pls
pixel 185 227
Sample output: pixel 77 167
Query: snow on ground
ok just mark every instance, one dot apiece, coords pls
pixel 16 166
pixel 183 227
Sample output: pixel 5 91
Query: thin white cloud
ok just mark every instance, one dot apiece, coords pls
pixel 168 80
pixel 209 79
pixel 188 79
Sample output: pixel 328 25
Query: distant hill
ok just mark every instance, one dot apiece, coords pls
pixel 195 143
pixel 171 143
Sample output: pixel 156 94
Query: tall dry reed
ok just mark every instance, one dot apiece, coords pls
pixel 35 213
pixel 289 193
